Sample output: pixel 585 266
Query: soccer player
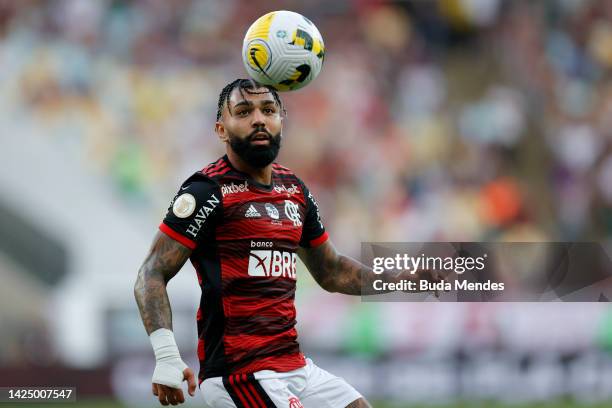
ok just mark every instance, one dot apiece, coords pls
pixel 242 221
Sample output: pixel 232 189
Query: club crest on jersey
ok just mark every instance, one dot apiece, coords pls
pixel 272 211
pixel 232 188
pixel 272 264
pixel 292 211
pixel 252 212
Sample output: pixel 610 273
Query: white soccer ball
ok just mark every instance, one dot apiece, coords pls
pixel 283 49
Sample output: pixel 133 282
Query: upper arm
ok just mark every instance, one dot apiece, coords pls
pixel 164 260
pixel 322 262
pixel 166 257
pixel 192 214
pixel 316 250
pixel 313 231
pixel 188 219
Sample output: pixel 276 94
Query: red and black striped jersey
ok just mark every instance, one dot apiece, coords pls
pixel 244 237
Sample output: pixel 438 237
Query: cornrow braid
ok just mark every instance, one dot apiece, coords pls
pixel 248 85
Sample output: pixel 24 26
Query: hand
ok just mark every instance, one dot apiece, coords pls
pixel 433 276
pixel 435 279
pixel 174 396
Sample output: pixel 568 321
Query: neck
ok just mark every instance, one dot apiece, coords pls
pixel 261 175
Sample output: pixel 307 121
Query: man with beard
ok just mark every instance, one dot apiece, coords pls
pixel 241 221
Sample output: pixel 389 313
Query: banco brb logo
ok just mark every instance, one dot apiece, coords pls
pixel 272 264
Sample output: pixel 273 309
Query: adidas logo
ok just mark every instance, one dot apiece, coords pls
pixel 251 212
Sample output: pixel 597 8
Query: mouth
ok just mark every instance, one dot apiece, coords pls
pixel 260 138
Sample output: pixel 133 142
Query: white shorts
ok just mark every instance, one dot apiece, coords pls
pixel 306 387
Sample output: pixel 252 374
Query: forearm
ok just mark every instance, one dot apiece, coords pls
pixel 351 277
pixel 163 262
pixel 342 274
pixel 152 298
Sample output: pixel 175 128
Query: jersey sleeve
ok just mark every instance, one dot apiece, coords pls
pixel 193 210
pixel 313 231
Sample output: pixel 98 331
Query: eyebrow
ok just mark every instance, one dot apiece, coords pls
pixel 244 102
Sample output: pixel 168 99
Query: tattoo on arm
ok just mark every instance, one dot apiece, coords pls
pixel 335 272
pixel 332 271
pixel 164 260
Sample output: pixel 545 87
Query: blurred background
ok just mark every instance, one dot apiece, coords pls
pixel 449 120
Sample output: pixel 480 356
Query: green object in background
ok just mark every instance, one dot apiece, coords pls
pixel 129 169
pixel 364 331
pixel 604 336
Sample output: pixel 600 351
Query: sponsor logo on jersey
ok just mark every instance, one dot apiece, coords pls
pixel 292 211
pixel 202 215
pixel 232 188
pixel 311 197
pixel 288 190
pixel 252 212
pixel 261 244
pixel 272 264
pixel 272 211
pixel 184 205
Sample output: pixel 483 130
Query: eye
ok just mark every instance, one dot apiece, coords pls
pixel 269 111
pixel 242 113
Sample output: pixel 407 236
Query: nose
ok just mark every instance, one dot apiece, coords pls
pixel 258 119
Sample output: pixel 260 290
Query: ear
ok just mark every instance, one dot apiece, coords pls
pixel 220 130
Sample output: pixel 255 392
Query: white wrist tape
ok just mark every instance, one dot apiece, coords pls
pixel 169 367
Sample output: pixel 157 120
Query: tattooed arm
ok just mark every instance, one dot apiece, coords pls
pixel 332 271
pixel 165 259
pixel 335 272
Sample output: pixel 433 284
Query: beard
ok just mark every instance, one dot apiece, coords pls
pixel 256 156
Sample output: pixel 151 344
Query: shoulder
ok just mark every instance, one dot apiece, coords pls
pixel 216 169
pixel 210 175
pixel 205 183
pixel 200 182
pixel 277 168
pixel 285 174
pixel 288 176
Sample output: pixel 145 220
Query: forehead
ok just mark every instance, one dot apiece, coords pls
pixel 254 96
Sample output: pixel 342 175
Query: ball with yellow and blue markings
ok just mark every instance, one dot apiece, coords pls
pixel 283 49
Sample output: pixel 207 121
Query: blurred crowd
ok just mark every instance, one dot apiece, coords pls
pixel 443 120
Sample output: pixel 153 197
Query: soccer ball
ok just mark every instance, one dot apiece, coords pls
pixel 283 49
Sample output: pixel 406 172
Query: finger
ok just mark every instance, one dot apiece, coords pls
pixel 154 389
pixel 180 397
pixel 171 393
pixel 162 395
pixel 191 381
pixel 176 394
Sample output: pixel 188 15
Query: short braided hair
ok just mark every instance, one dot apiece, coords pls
pixel 248 85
